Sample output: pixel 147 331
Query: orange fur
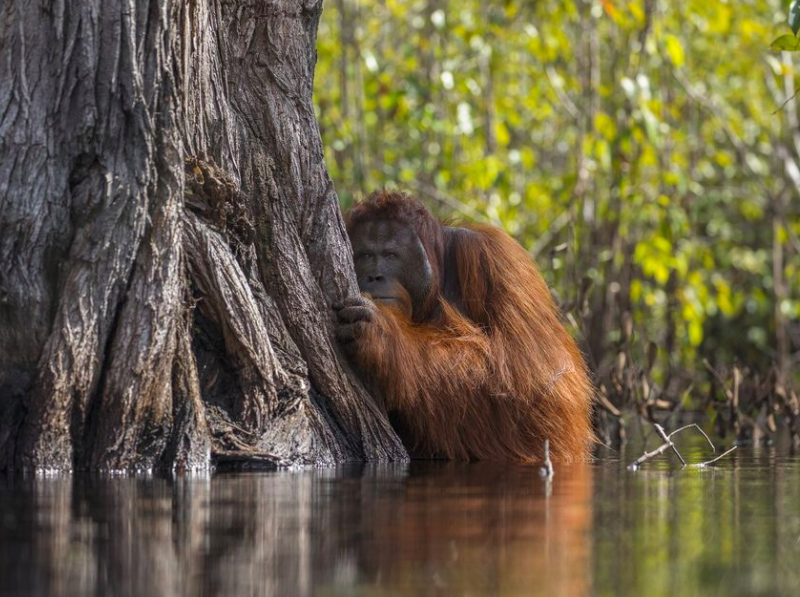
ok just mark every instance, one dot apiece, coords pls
pixel 489 376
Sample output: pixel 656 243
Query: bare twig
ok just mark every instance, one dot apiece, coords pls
pixel 713 460
pixel 604 402
pixel 696 426
pixel 565 100
pixel 715 373
pixel 554 229
pixel 648 455
pixel 786 101
pixel 734 402
pixel 668 445
pixel 667 440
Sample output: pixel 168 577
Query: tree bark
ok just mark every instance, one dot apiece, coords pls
pixel 170 241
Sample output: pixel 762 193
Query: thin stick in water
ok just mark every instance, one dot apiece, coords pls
pixel 648 455
pixel 668 441
pixel 696 426
pixel 709 462
pixel 547 470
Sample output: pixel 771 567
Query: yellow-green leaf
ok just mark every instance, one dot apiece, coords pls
pixel 605 125
pixel 675 50
pixel 786 43
pixel 695 332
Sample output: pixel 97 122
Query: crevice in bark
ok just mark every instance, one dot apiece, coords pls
pixel 189 446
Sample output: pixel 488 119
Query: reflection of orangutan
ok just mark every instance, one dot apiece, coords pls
pixel 478 529
pixel 462 338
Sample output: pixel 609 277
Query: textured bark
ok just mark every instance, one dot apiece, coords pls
pixel 170 241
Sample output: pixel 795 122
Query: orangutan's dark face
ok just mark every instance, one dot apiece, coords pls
pixel 391 264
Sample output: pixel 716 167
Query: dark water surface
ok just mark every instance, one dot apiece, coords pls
pixel 421 529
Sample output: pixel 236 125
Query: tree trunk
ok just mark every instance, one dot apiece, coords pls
pixel 170 241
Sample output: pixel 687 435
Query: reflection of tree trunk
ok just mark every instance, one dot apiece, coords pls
pixel 456 528
pixel 55 547
pixel 109 235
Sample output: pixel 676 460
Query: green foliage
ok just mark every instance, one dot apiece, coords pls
pixel 789 43
pixel 794 16
pixel 786 43
pixel 642 150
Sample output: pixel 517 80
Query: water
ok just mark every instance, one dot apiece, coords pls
pixel 423 529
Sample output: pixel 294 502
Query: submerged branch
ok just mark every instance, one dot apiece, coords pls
pixel 713 460
pixel 648 455
pixel 669 445
pixel 668 441
pixel 696 426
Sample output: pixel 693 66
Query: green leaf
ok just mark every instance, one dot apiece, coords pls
pixel 695 332
pixel 794 16
pixel 786 43
pixel 605 125
pixel 675 50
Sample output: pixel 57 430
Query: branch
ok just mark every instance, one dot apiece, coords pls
pixel 722 383
pixel 648 455
pixel 696 426
pixel 565 100
pixel 708 462
pixel 668 445
pixel 667 440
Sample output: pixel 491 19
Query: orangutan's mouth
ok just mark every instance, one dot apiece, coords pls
pixel 379 298
pixel 393 302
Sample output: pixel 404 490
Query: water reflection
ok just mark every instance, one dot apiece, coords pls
pixel 733 529
pixel 435 529
pixel 425 529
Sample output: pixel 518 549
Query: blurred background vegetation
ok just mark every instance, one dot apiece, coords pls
pixel 647 153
